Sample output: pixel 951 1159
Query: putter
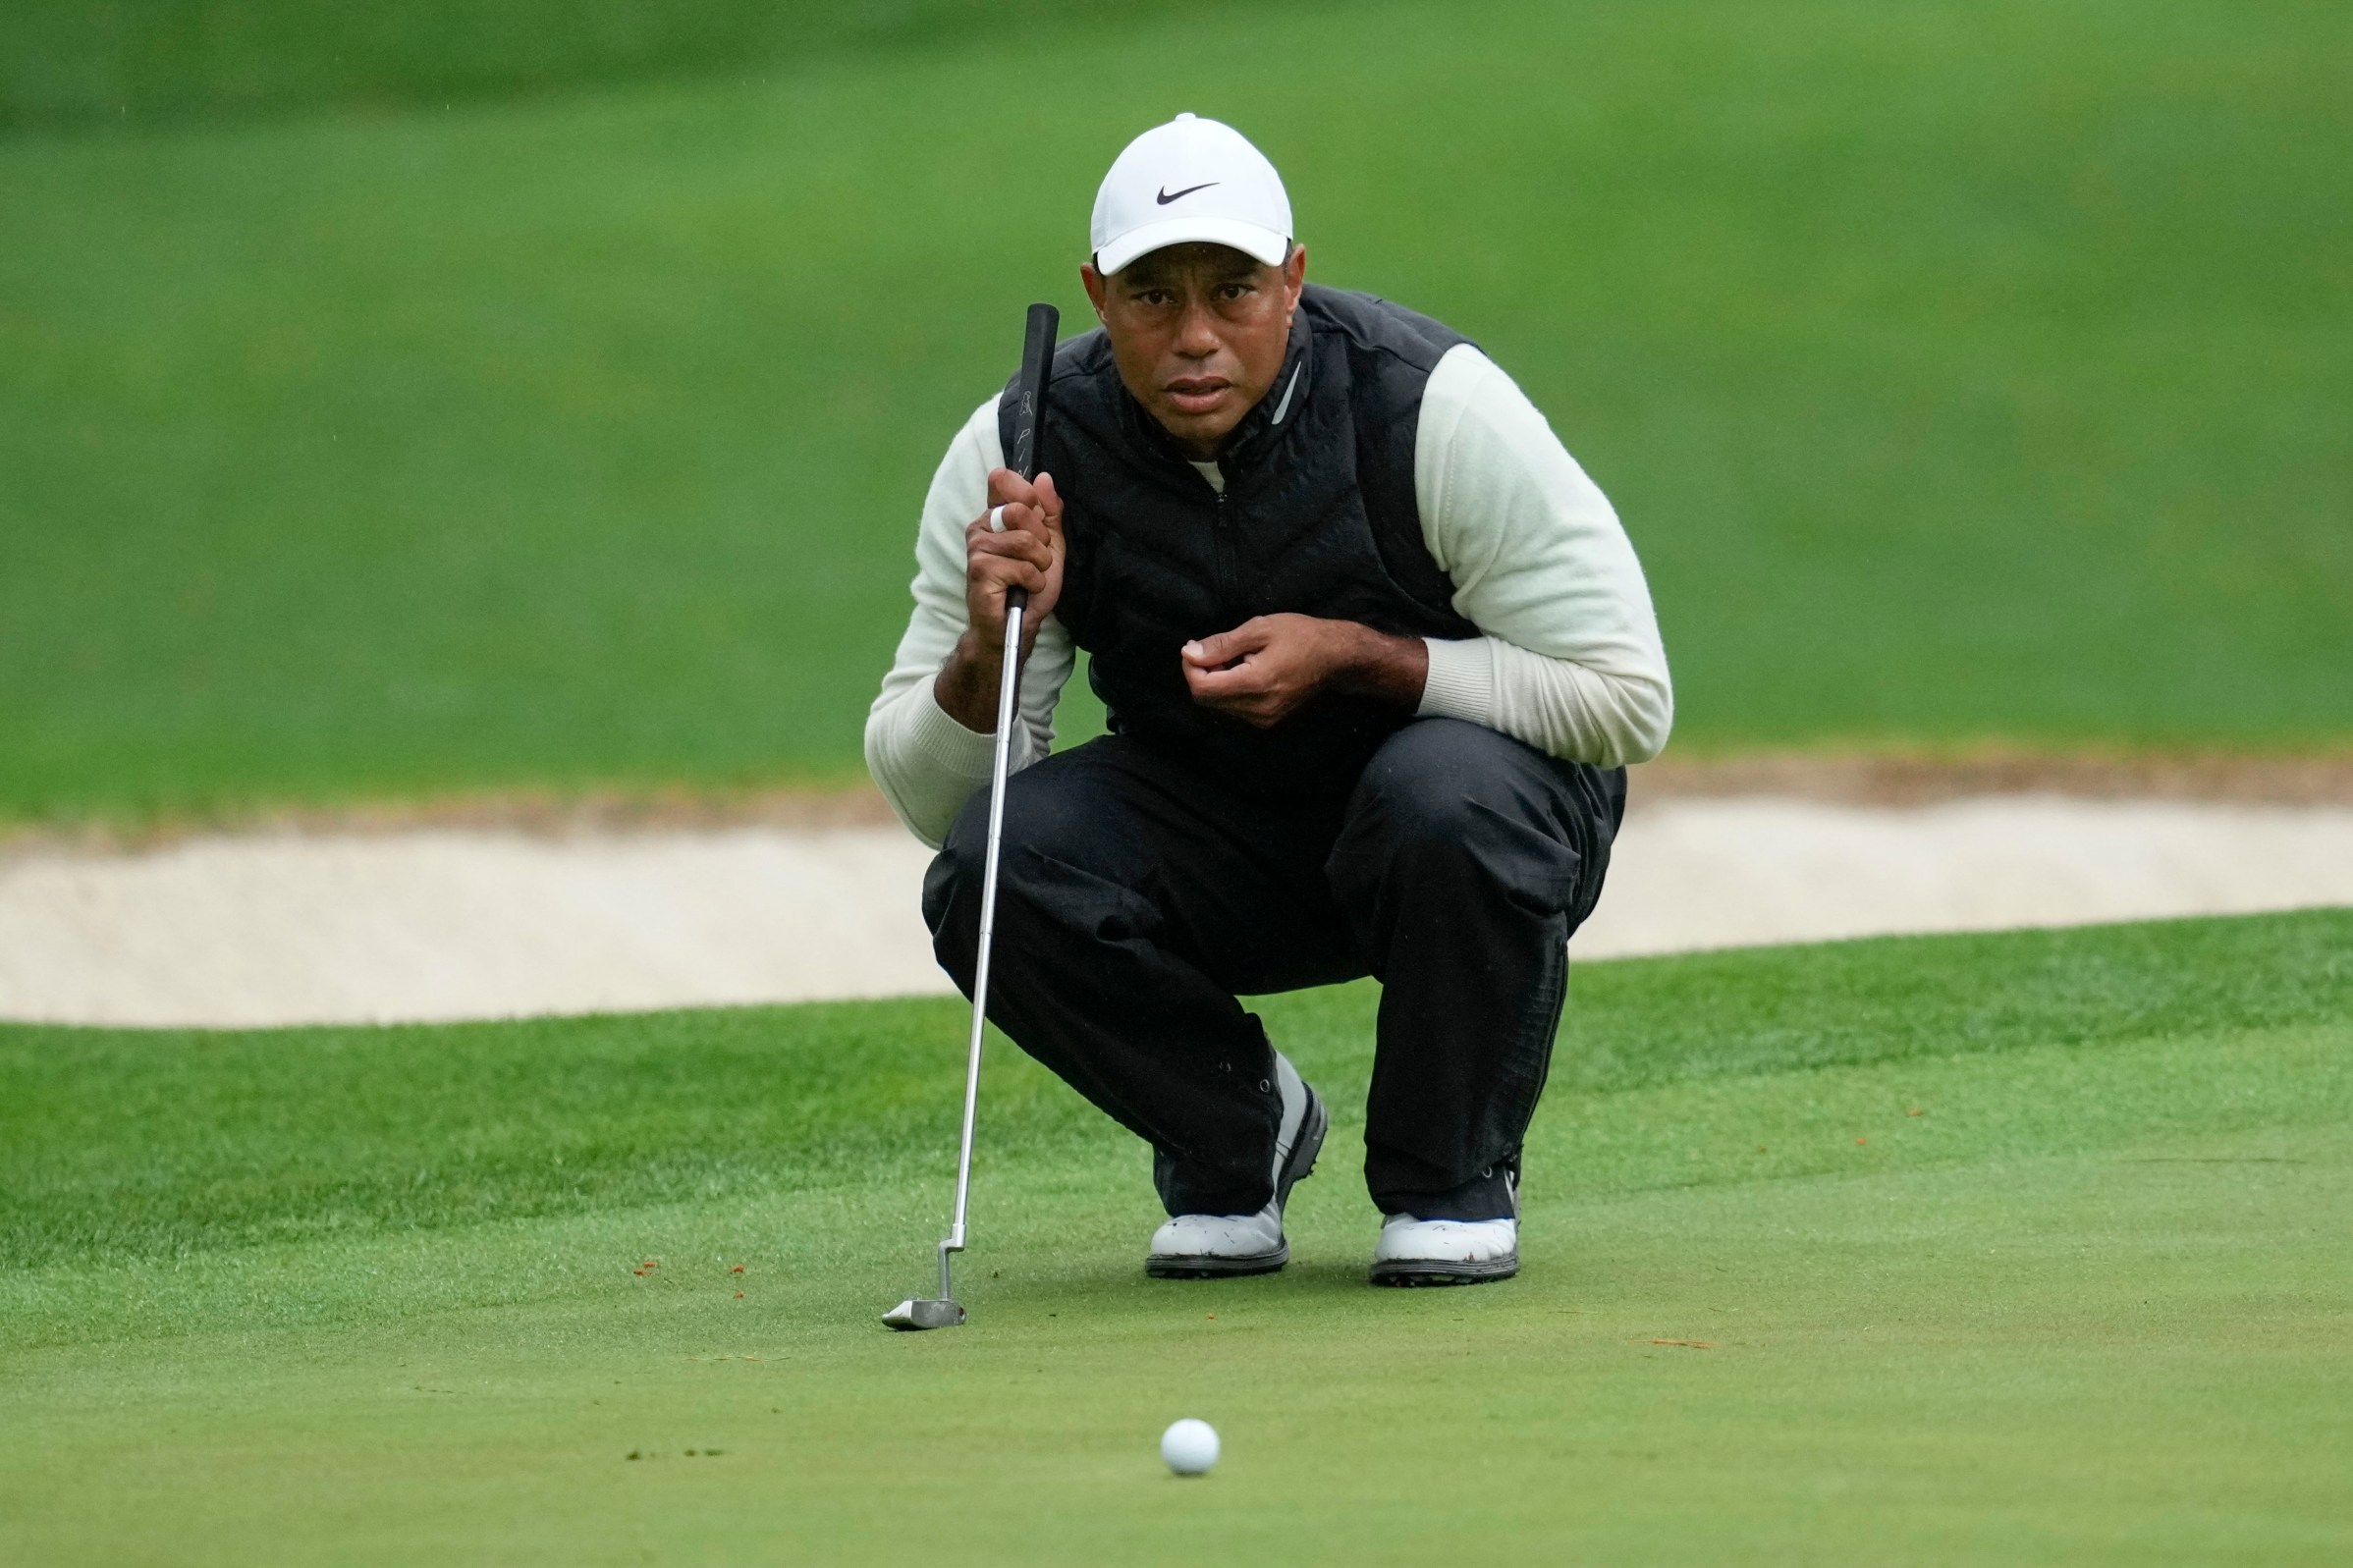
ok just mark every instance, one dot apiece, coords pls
pixel 1030 418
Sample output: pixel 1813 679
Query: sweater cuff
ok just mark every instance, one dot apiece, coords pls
pixel 1460 684
pixel 936 739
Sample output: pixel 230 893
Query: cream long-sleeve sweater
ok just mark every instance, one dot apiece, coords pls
pixel 1567 660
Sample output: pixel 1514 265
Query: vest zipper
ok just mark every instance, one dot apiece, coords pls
pixel 1222 533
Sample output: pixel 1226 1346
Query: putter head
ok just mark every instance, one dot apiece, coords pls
pixel 917 1312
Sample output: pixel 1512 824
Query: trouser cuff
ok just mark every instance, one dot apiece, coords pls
pixel 1486 1195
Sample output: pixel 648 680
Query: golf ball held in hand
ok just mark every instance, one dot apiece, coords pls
pixel 1189 1446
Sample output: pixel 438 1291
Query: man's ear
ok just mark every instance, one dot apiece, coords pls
pixel 1295 273
pixel 1095 286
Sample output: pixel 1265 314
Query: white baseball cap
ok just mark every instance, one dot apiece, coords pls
pixel 1190 179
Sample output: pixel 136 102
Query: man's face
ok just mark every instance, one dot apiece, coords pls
pixel 1198 332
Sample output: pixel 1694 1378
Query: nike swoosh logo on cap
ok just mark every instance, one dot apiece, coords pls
pixel 1163 198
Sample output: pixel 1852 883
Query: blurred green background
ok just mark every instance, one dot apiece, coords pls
pixel 424 398
pixel 163 61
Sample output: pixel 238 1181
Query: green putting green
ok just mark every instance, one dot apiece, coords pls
pixel 2012 1249
pixel 1966 372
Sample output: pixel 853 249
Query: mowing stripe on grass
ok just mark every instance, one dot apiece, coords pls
pixel 176 1142
pixel 2090 1306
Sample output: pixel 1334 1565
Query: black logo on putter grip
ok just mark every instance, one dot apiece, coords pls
pixel 1163 198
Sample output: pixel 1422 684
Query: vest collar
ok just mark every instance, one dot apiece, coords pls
pixel 1284 409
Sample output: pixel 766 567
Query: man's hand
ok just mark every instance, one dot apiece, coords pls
pixel 1266 669
pixel 1027 553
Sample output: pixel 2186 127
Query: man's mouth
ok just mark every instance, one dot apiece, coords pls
pixel 1196 393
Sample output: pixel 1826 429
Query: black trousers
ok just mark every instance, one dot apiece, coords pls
pixel 1138 898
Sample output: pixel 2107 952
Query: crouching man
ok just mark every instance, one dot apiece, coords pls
pixel 1374 652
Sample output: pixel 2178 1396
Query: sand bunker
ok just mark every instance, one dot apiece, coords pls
pixel 479 922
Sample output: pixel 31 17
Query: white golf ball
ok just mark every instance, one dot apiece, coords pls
pixel 1189 1446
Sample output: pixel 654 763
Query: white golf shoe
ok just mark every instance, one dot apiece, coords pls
pixel 1216 1246
pixel 1446 1252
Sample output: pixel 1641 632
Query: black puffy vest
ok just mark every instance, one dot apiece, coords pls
pixel 1318 516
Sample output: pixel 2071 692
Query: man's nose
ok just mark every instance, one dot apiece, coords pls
pixel 1197 333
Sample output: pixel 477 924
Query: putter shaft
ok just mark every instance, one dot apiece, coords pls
pixel 1029 410
pixel 1008 687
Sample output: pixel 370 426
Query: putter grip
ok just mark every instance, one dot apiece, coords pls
pixel 1029 403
